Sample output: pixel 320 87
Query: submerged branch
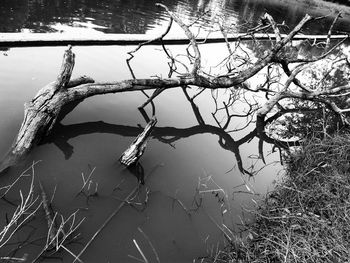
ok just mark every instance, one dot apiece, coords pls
pixel 136 149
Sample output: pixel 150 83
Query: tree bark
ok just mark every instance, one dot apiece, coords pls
pixel 136 149
pixel 41 113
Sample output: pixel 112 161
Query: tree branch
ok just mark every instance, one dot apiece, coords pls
pixel 191 37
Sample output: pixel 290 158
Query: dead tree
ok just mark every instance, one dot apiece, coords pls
pixel 43 113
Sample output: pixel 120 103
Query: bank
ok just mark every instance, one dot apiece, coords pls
pixel 306 218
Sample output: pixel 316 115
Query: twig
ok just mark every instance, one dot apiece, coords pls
pixel 150 243
pixel 87 180
pixel 125 201
pixel 140 251
pixel 191 37
pixel 330 32
pixel 110 217
pixel 22 213
pixel 274 26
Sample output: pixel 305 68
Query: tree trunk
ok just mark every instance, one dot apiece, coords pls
pixel 40 114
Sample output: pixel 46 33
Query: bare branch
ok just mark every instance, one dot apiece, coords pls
pixel 159 38
pixel 330 32
pixel 66 68
pixel 274 26
pixel 191 37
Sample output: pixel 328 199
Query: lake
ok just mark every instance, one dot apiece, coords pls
pixel 194 185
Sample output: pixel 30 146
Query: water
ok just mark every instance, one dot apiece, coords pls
pixel 184 161
pixel 140 17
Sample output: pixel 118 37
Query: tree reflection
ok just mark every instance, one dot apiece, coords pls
pixel 63 133
pixel 137 17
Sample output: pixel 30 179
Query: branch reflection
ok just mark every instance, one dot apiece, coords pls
pixel 63 133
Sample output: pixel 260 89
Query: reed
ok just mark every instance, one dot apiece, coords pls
pixel 26 209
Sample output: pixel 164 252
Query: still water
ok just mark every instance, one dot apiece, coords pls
pixel 193 186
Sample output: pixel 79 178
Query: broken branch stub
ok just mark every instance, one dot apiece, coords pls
pixel 66 69
pixel 138 146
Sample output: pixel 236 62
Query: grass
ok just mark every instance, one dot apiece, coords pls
pixel 306 218
pixel 61 231
pixel 29 205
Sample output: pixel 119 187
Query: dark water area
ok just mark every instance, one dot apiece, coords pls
pixel 140 17
pixel 194 189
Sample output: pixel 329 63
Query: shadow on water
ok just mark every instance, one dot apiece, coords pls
pixel 168 135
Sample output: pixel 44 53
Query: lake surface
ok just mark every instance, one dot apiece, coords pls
pixel 141 17
pixel 193 182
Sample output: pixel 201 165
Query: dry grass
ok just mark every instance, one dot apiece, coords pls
pixel 61 231
pixel 29 205
pixel 306 218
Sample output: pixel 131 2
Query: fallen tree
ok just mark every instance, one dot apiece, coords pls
pixel 44 112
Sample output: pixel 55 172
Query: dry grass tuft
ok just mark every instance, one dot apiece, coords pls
pixel 306 218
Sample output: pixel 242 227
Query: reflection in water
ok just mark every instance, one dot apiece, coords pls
pixel 177 234
pixel 63 133
pixel 138 171
pixel 139 17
